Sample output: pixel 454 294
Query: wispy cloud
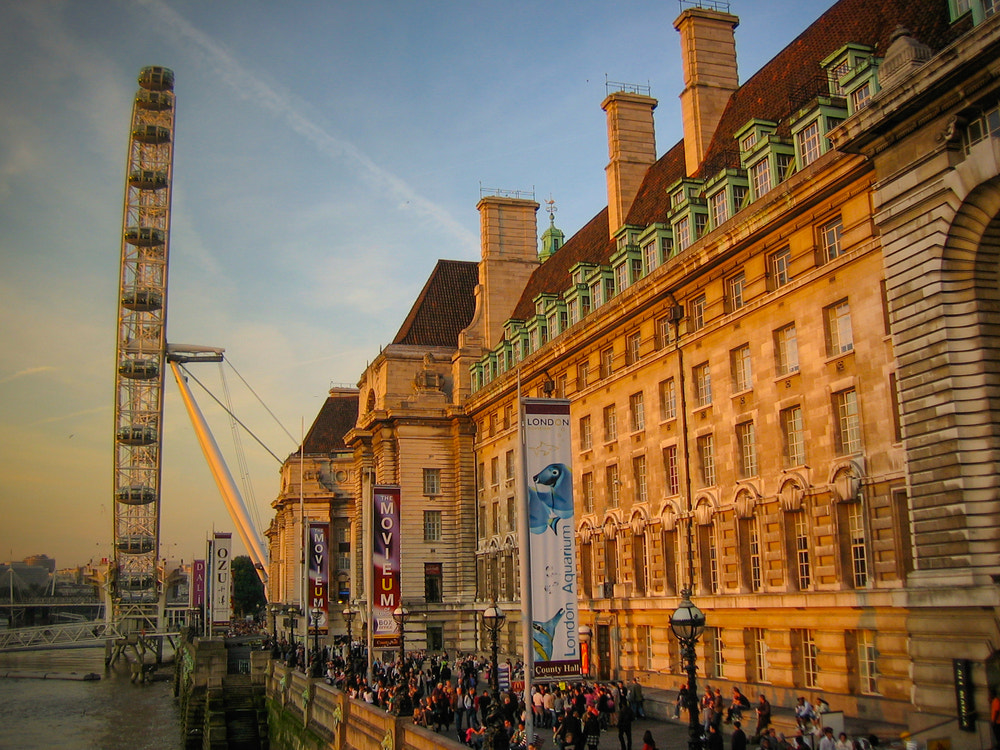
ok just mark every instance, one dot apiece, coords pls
pixel 284 105
pixel 26 373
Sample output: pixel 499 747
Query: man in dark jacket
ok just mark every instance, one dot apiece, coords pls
pixel 625 717
pixel 739 737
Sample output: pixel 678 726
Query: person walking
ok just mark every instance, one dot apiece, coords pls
pixel 739 740
pixel 625 718
pixel 648 743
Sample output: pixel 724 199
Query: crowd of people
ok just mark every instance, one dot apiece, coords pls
pixel 454 697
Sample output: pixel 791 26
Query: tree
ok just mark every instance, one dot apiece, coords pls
pixel 248 590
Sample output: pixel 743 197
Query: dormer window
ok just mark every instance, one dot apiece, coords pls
pixel 748 141
pixel 808 143
pixel 851 73
pixel 676 198
pixel 811 125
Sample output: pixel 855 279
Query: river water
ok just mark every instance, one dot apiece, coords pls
pixel 108 714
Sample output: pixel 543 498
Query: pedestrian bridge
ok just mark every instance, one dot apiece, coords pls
pixel 73 635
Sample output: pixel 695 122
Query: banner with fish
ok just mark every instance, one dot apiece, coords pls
pixel 548 497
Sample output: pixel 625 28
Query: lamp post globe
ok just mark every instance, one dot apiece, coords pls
pixel 401 614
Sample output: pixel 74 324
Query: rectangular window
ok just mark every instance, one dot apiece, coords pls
pixel 802 562
pixel 668 399
pixel 706 460
pixel 610 424
pixel 633 342
pixel 810 662
pixel 734 291
pixel 621 277
pixel 867 662
pixel 607 362
pixel 432 481
pixel 696 311
pixel 664 331
pixel 861 96
pixel 839 336
pixel 829 239
pixel 746 441
pixel 859 552
pixel 760 653
pixel 760 177
pixel 432 526
pixel 651 255
pixel 614 485
pixel 637 412
pixel 808 142
pixel 848 423
pixel 671 471
pixel 432 582
pixel 587 486
pixel 793 438
pixel 595 293
pixel 739 359
pixel 718 208
pixel 586 436
pixel 778 265
pixel 644 646
pixel 511 514
pixel 582 375
pixel 718 654
pixel 702 385
pixel 508 473
pixel 700 225
pixel 786 350
pixel 639 476
pixel 786 166
pixel 495 472
pixel 756 569
pixel 682 233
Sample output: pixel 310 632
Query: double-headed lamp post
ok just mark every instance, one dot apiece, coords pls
pixel 688 623
pixel 496 737
pixel 317 665
pixel 401 614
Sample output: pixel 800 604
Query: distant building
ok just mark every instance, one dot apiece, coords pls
pixel 316 485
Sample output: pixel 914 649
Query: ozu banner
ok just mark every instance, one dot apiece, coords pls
pixel 222 582
pixel 385 565
pixel 548 483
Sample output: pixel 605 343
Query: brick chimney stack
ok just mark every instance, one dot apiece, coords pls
pixel 508 230
pixel 708 54
pixel 631 150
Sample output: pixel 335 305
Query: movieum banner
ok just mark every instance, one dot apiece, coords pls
pixel 385 564
pixel 319 572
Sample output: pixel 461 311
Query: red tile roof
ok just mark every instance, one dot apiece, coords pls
pixel 444 308
pixel 337 416
pixel 786 84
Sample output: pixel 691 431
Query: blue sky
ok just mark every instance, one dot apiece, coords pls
pixel 326 155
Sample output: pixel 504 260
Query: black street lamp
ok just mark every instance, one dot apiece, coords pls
pixel 317 667
pixel 275 610
pixel 401 614
pixel 496 736
pixel 688 623
pixel 349 615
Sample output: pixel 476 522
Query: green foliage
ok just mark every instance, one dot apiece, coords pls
pixel 248 591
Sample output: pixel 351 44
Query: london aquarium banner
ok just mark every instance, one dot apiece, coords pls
pixel 319 571
pixel 547 457
pixel 385 565
pixel 222 582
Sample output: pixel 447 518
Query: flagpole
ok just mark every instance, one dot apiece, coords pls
pixel 524 543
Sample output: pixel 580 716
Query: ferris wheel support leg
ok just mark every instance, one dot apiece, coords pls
pixel 223 479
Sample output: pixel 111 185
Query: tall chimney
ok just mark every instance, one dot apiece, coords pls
pixel 509 240
pixel 708 54
pixel 631 150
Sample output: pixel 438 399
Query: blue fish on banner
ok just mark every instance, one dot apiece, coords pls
pixel 542 634
pixel 547 506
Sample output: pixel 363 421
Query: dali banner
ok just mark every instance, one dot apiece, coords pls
pixel 198 584
pixel 548 483
pixel 319 572
pixel 385 565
